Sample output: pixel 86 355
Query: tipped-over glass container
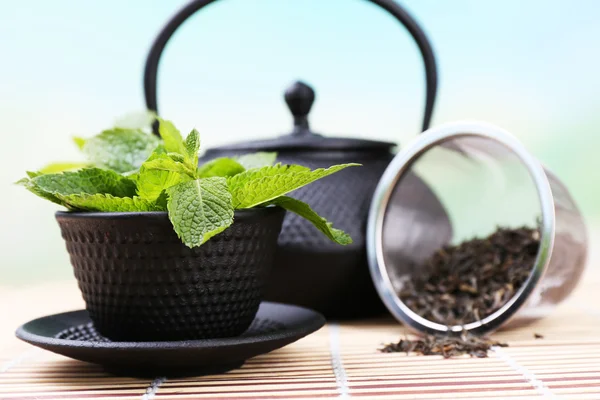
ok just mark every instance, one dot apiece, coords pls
pixel 483 178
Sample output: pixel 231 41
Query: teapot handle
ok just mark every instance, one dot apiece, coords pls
pixel 150 71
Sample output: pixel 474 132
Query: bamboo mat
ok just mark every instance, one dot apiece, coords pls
pixel 339 361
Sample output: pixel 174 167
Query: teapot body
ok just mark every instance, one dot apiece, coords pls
pixel 310 270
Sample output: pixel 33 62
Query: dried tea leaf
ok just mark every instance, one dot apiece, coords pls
pixel 446 346
pixel 472 280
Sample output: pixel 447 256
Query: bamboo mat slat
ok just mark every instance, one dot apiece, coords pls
pixel 339 361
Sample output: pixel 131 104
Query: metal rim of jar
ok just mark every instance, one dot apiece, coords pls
pixel 394 172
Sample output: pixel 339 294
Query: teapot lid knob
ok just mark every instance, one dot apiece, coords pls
pixel 299 98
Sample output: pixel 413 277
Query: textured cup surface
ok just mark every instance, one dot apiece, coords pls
pixel 141 283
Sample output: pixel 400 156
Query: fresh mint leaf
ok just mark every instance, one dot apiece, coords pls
pixel 136 120
pixel 107 203
pixel 185 151
pixel 220 167
pixel 152 183
pixel 200 209
pixel 192 146
pixel 121 150
pixel 163 162
pixel 32 174
pixel 29 185
pixel 131 174
pixel 80 142
pixel 257 160
pixel 161 201
pixel 159 173
pixel 171 137
pixel 256 186
pixel 62 166
pixel 304 210
pixel 86 181
pixel 135 171
pixel 160 149
pixel 176 157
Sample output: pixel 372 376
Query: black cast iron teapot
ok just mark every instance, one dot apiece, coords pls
pixel 310 270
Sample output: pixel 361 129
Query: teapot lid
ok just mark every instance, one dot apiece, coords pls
pixel 299 98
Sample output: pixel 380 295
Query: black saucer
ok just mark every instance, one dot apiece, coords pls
pixel 72 334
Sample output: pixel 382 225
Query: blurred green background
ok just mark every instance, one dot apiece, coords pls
pixel 70 67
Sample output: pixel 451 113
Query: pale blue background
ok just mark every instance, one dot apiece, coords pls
pixel 71 66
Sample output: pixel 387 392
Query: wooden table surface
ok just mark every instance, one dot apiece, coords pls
pixel 340 360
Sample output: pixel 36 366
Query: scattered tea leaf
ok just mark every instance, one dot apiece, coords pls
pixel 446 346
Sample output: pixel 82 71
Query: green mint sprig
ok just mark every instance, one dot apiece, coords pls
pixel 131 170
